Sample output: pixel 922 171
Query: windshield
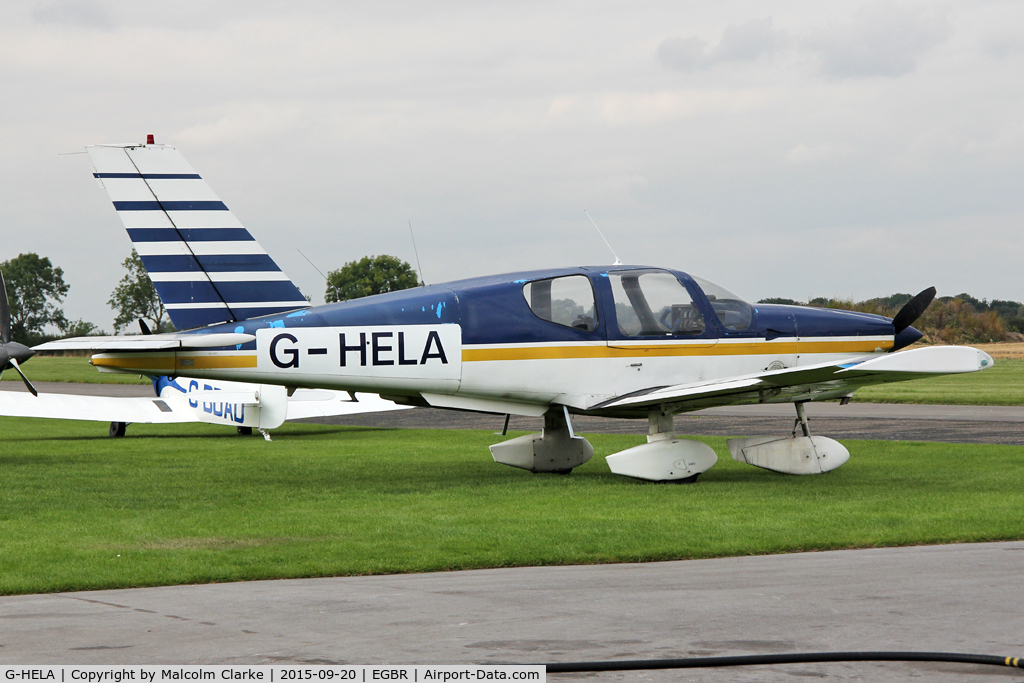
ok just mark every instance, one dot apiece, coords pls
pixel 734 313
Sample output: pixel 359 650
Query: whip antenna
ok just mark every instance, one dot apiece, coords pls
pixel 416 251
pixel 336 293
pixel 617 261
pixel 311 263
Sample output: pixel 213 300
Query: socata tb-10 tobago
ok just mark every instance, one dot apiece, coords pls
pixel 618 341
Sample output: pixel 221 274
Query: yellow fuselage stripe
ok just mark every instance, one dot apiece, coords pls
pixel 470 354
pixel 170 364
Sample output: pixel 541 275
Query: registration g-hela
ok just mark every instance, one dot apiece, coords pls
pixel 29 674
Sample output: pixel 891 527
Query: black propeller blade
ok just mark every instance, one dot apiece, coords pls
pixel 913 310
pixel 12 354
pixel 5 314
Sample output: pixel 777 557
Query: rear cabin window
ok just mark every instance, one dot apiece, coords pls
pixel 651 303
pixel 565 301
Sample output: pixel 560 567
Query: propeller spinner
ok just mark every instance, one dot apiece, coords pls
pixel 12 354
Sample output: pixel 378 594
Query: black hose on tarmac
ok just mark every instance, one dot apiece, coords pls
pixel 793 658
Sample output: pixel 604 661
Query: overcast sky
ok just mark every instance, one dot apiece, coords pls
pixel 789 149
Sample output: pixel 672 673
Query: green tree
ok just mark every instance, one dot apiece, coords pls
pixel 135 297
pixel 80 328
pixel 369 275
pixel 34 290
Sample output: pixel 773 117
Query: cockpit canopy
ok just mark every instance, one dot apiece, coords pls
pixel 648 302
pixel 655 302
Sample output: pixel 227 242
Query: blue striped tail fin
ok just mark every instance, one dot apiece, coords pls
pixel 205 265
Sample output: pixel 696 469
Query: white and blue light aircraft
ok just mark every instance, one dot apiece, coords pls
pixel 615 341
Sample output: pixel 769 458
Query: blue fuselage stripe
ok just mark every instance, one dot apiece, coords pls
pixel 170 206
pixel 246 313
pixel 151 176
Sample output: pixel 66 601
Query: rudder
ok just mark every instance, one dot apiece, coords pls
pixel 205 265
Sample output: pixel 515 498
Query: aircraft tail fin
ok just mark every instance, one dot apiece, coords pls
pixel 205 265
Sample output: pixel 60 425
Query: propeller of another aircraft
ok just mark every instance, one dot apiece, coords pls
pixel 12 354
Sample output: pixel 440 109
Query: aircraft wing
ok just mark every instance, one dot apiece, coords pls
pixel 169 409
pixel 96 408
pixel 810 382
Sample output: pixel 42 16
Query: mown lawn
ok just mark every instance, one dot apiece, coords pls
pixel 1000 385
pixel 69 369
pixel 194 503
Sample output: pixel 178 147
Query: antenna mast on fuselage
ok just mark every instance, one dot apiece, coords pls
pixel 618 262
pixel 416 251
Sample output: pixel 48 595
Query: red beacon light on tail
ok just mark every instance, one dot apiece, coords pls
pixel 149 140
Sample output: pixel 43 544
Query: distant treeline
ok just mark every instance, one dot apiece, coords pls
pixel 960 319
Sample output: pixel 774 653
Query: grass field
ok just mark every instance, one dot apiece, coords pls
pixel 69 369
pixel 194 503
pixel 1001 385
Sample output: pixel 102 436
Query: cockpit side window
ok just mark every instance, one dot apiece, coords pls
pixel 565 301
pixel 654 303
pixel 735 314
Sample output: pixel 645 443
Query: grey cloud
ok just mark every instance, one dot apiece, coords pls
pixel 882 39
pixel 684 54
pixel 1005 46
pixel 747 41
pixel 73 13
pixel 743 42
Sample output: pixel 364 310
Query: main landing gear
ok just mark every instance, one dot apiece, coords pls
pixel 118 429
pixel 803 454
pixel 665 457
pixel 555 450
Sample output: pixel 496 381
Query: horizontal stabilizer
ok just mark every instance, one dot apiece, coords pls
pixel 148 342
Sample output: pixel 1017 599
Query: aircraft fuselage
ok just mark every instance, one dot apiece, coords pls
pixel 514 338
